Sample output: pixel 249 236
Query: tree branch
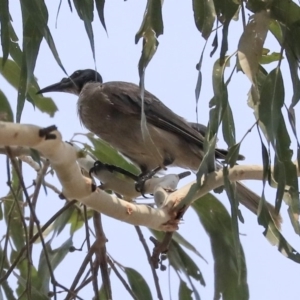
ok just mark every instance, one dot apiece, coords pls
pixel 62 157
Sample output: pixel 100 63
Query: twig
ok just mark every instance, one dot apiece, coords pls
pixel 125 284
pixel 34 238
pixel 160 247
pixel 154 274
pixel 93 271
pixel 101 254
pixel 81 270
pixel 38 184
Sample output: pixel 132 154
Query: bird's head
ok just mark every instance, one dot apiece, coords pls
pixel 74 83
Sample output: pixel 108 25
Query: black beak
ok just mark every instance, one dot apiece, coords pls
pixel 65 85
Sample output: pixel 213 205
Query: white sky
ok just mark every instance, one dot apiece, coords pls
pixel 171 76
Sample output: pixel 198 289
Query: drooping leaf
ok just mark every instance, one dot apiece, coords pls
pixel 251 43
pixel 138 284
pixel 199 79
pixel 217 223
pixel 11 72
pixel 39 15
pixel 204 15
pixel 177 237
pixel 100 8
pixel 184 292
pixel 228 126
pixel 234 205
pixel 85 10
pixel 13 218
pixel 270 115
pixel 77 219
pixel 4 22
pixel 6 113
pixel 150 30
pixel 56 256
pixel 35 293
pixel 225 10
pixel 218 104
pixel 61 222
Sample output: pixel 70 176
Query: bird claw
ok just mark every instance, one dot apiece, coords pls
pixel 97 166
pixel 142 178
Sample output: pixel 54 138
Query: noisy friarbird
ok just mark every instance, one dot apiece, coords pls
pixel 112 111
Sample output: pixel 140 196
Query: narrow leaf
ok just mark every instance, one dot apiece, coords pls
pixel 11 72
pixel 4 22
pixel 204 15
pixel 184 292
pixel 100 8
pixel 138 284
pixel 6 113
pixel 251 43
pixel 217 223
pixel 85 10
pixel 56 256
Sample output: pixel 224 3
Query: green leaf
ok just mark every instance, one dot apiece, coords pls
pixel 218 103
pixel 269 58
pixel 234 204
pixel 225 10
pixel 100 9
pixel 270 115
pixel 39 15
pixel 251 43
pixel 271 102
pixel 150 30
pixel 6 113
pixel 85 10
pixel 228 126
pixel 217 223
pixel 204 15
pixel 107 154
pixel 184 292
pixel 233 154
pixel 56 256
pixel 11 72
pixel 138 284
pixel 36 293
pixel 4 22
pixel 178 238
pixel 77 219
pixel 61 222
pixel 3 260
pixel 32 38
pixel 180 260
pixel 13 218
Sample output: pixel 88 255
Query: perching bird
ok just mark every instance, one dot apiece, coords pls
pixel 112 111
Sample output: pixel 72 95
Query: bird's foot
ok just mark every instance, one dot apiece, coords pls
pixel 99 166
pixel 142 178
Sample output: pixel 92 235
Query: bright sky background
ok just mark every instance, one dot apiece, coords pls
pixel 171 76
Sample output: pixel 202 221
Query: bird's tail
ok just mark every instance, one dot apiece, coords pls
pixel 251 201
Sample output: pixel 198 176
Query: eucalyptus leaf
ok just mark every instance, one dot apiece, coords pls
pixel 6 113
pixel 138 284
pixel 229 283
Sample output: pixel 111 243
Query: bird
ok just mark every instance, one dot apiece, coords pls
pixel 112 111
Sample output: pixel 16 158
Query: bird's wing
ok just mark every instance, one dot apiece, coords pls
pixel 126 98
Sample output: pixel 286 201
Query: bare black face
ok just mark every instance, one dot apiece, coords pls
pixel 74 83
